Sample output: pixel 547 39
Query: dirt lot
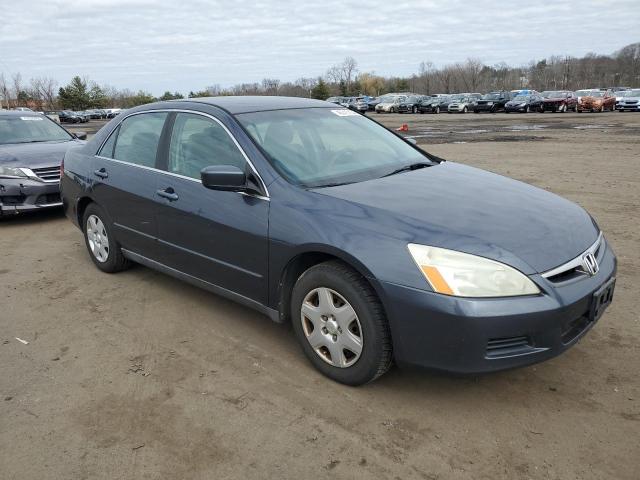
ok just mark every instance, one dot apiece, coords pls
pixel 138 375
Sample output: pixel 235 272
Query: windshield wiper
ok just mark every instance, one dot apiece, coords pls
pixel 336 184
pixel 408 168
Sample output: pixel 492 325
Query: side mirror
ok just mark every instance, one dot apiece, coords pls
pixel 223 177
pixel 80 135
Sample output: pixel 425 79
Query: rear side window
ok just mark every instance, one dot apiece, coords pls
pixel 198 142
pixel 136 139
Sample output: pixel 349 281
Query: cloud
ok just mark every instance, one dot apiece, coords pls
pixel 163 44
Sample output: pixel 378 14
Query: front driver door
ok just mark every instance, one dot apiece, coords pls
pixel 216 236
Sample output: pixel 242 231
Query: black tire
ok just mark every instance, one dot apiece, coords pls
pixel 115 261
pixel 437 110
pixel 527 109
pixel 376 356
pixel 415 109
pixel 465 110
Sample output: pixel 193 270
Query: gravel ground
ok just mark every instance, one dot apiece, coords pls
pixel 137 375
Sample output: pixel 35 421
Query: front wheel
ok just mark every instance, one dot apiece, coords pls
pixel 465 110
pixel 340 324
pixel 437 110
pixel 415 109
pixel 101 243
pixel 527 109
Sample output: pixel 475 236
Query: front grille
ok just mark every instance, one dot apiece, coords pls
pixel 48 174
pixel 506 347
pixel 574 268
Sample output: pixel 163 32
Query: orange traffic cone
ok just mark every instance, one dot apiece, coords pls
pixel 403 128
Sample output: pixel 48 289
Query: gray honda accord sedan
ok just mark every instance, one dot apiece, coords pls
pixel 31 150
pixel 374 250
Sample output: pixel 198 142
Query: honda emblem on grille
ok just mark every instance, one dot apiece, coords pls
pixel 590 264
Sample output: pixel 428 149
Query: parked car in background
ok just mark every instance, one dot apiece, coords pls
pixel 630 102
pixel 372 249
pixel 84 116
pixel 619 94
pixel 31 149
pixel 559 101
pixel 492 102
pixel 410 104
pixel 429 104
pixel 68 116
pixel 97 113
pixel 524 103
pixel 357 104
pixel 596 101
pixel 22 109
pixel 113 112
pixel 389 103
pixel 53 116
pixel 336 100
pixel 438 104
pixel 461 104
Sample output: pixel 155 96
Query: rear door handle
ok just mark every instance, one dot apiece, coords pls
pixel 168 193
pixel 102 173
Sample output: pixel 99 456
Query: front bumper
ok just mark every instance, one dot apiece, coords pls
pixel 515 109
pixel 485 108
pixel 628 108
pixel 469 336
pixel 24 194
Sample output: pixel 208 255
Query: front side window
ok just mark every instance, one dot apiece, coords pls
pixel 321 146
pixel 136 140
pixel 198 142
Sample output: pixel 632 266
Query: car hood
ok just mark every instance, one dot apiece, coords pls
pixel 470 210
pixel 591 99
pixel 35 155
pixel 554 100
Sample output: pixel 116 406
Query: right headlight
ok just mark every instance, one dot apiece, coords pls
pixel 11 172
pixel 464 275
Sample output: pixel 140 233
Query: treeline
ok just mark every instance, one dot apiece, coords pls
pixel 622 68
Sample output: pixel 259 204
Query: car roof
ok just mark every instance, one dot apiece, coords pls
pixel 246 104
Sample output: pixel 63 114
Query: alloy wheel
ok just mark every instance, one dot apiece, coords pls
pixel 331 326
pixel 97 238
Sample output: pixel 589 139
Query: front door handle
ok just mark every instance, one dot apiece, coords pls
pixel 102 173
pixel 168 193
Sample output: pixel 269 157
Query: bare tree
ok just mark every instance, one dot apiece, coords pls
pixel 16 80
pixel 349 69
pixel 44 89
pixel 5 93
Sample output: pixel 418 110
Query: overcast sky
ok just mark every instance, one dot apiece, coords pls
pixel 183 45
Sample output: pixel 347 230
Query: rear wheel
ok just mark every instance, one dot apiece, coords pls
pixel 340 324
pixel 101 243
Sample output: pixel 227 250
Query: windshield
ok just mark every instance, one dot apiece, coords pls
pixel 632 93
pixel 589 93
pixel 316 147
pixel 554 94
pixel 30 128
pixel 522 98
pixel 491 96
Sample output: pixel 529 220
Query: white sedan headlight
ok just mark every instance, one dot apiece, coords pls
pixel 463 275
pixel 11 172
